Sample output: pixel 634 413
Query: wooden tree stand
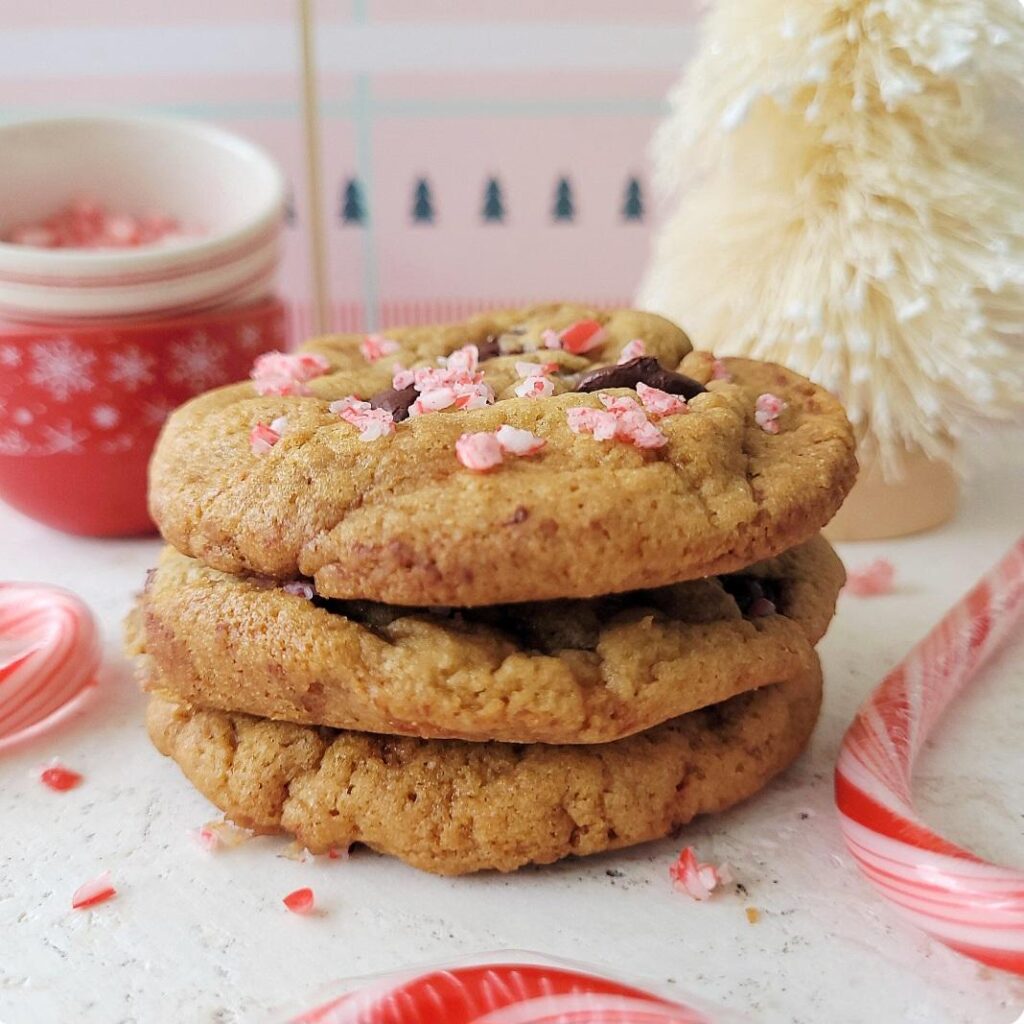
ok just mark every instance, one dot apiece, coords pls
pixel 924 498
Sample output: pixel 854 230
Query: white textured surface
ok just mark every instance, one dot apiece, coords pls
pixel 194 936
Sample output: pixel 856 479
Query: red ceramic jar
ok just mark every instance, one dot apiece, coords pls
pixel 81 405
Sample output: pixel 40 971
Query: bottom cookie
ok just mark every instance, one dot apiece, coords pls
pixel 453 807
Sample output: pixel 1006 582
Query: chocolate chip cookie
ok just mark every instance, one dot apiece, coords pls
pixel 452 807
pixel 569 671
pixel 551 452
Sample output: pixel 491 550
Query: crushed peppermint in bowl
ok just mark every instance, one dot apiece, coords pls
pixel 125 216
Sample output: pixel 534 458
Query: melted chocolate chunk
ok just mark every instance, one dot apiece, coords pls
pixel 491 347
pixel 752 594
pixel 642 370
pixel 396 402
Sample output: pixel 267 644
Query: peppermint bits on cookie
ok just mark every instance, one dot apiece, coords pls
pixel 578 338
pixel 284 373
pixel 372 424
pixel 484 451
pixel 376 346
pixel 767 410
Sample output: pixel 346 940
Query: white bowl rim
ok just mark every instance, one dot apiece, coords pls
pixel 67 262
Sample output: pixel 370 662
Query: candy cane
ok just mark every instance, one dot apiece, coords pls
pixel 501 994
pixel 49 653
pixel 973 906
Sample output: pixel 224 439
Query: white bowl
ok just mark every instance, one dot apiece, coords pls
pixel 201 175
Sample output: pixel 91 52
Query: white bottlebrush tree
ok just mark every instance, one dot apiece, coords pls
pixel 843 199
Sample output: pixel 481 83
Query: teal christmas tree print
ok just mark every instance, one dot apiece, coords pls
pixel 422 203
pixel 353 210
pixel 494 207
pixel 633 205
pixel 564 209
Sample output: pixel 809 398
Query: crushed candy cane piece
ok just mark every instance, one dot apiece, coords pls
pixel 87 224
pixel 463 360
pixel 402 378
pixel 299 902
pixel 371 423
pixel 336 853
pixel 623 420
pixel 697 880
pixel 479 452
pixel 376 346
pixel 719 371
pixel 527 369
pixel 279 426
pixel 98 890
pixel 433 401
pixel 262 438
pixel 660 403
pixel 518 442
pixel 300 588
pixel 215 834
pixel 59 778
pixel 551 338
pixel 767 410
pixel 632 350
pixel 286 373
pixel 871 580
pixel 760 607
pixel 536 387
pixel 582 336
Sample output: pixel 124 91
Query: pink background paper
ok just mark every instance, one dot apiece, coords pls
pixel 451 93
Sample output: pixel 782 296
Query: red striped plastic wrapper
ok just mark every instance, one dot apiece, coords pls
pixel 971 905
pixel 49 654
pixel 536 992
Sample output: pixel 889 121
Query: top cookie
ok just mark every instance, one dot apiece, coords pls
pixel 407 506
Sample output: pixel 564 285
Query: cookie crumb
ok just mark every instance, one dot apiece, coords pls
pixel 753 915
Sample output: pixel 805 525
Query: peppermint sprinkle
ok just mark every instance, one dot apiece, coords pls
pixel 622 420
pixel 286 373
pixel 872 580
pixel 98 890
pixel 660 403
pixel 483 451
pixel 299 588
pixel 767 410
pixel 299 902
pixel 719 372
pixel 535 387
pixel 376 346
pixel 697 880
pixel 58 778
pixel 528 369
pixel 632 350
pixel 579 337
pixel 262 438
pixel 372 424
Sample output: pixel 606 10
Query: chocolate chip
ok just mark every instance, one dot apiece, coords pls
pixel 642 370
pixel 520 515
pixel 754 596
pixel 396 401
pixel 489 349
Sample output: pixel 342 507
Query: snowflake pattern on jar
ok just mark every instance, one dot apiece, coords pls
pixel 62 395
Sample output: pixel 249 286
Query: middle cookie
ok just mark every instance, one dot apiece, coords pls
pixel 573 671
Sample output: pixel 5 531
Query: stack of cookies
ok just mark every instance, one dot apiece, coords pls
pixel 546 582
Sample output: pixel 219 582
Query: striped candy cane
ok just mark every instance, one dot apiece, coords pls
pixel 49 653
pixel 501 994
pixel 973 906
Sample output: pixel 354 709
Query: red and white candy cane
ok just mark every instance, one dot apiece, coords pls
pixel 49 653
pixel 971 905
pixel 502 994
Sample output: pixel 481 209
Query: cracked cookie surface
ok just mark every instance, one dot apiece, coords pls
pixel 452 807
pixel 574 671
pixel 400 520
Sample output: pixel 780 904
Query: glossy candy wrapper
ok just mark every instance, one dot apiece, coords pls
pixel 509 987
pixel 971 905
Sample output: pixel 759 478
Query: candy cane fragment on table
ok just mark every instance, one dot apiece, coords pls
pixel 501 994
pixel 971 905
pixel 49 654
